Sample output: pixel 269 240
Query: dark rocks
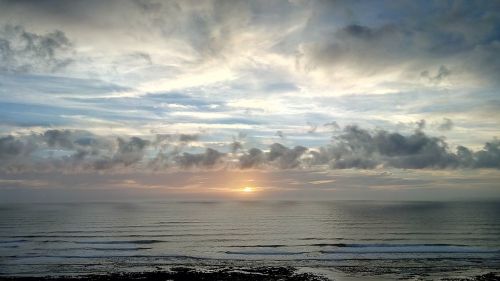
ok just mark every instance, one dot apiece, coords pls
pixel 191 274
pixel 485 277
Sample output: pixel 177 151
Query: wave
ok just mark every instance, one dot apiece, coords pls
pixel 9 246
pixel 260 246
pixel 99 249
pixel 173 256
pixel 264 253
pixel 406 248
pixel 360 248
pixel 13 241
pixel 120 242
pixel 361 245
pixel 320 238
pixel 126 236
pixel 402 239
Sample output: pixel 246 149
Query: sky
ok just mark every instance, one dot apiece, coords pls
pixel 395 100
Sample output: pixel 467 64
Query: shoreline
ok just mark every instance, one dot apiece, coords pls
pixel 230 273
pixel 189 274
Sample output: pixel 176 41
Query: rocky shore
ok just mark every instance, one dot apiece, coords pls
pixel 219 274
pixel 191 274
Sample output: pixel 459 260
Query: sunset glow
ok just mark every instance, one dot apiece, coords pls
pixel 248 189
pixel 217 99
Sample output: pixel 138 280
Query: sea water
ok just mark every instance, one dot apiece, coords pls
pixel 354 237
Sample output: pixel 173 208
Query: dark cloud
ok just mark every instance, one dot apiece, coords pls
pixel 82 143
pixel 235 146
pixel 421 125
pixel 22 51
pixel 252 159
pixel 465 156
pixel 188 138
pixel 365 32
pixel 312 128
pixel 284 157
pixel 162 140
pixel 130 151
pixel 147 6
pixel 361 48
pixel 435 41
pixel 441 74
pixel 353 147
pixel 60 138
pixel 77 149
pixel 208 159
pixel 122 152
pixel 280 134
pixel 360 148
pixel 333 125
pixel 278 156
pixel 142 56
pixel 446 125
pixel 353 161
pixel 11 146
pixel 489 157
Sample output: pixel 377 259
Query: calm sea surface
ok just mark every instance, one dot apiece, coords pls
pixel 76 238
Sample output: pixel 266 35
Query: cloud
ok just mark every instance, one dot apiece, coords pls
pixel 22 51
pixel 59 138
pixel 353 147
pixel 359 148
pixel 178 66
pixel 447 125
pixel 489 157
pixel 333 125
pixel 252 159
pixel 284 157
pixel 441 74
pixel 360 48
pixel 235 146
pixel 78 149
pixel 312 128
pixel 130 151
pixel 11 147
pixel 125 152
pixel 422 46
pixel 208 159
pixel 421 125
pixel 188 138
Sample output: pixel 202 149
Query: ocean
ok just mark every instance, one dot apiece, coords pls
pixel 337 238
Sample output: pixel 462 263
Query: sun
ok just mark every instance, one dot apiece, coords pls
pixel 248 189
